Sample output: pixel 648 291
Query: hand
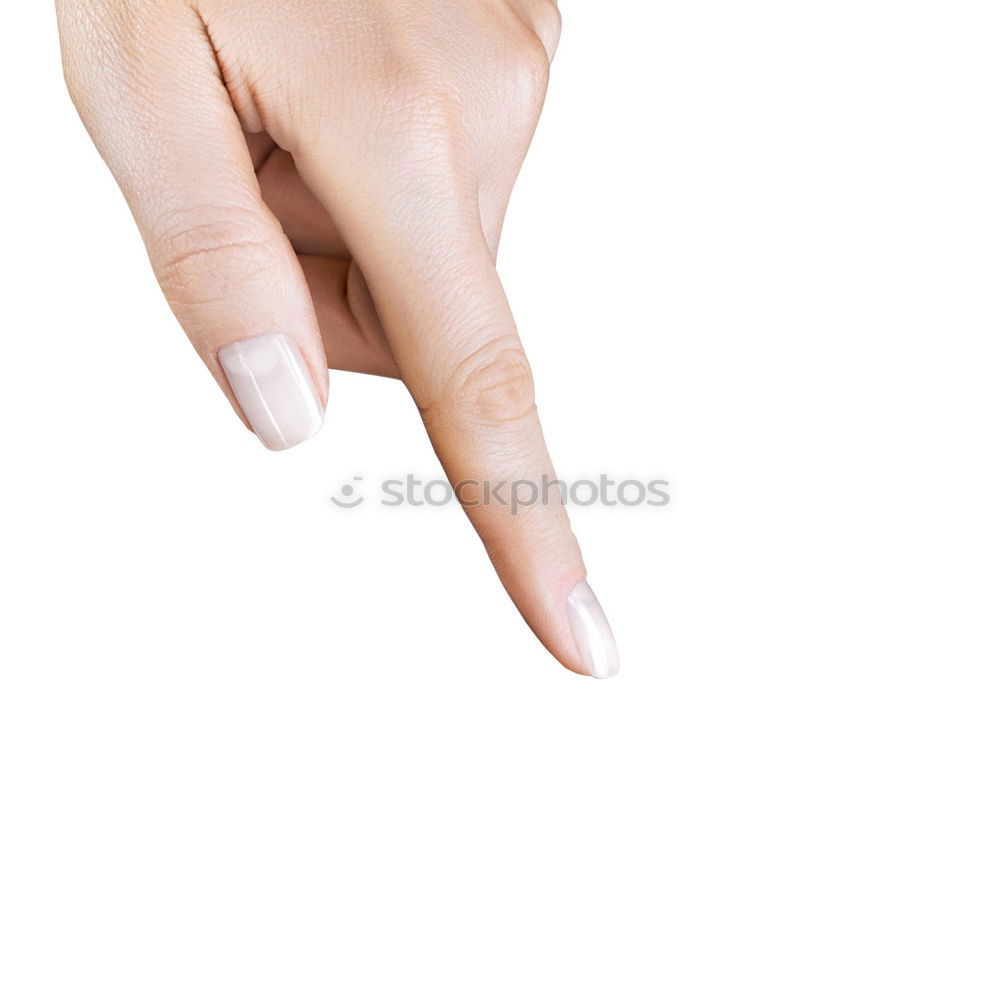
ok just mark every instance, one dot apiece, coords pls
pixel 323 183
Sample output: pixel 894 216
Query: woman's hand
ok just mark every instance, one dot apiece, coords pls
pixel 323 183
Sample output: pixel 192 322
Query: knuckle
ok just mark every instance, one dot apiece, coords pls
pixel 417 91
pixel 528 67
pixel 548 25
pixel 419 122
pixel 493 386
pixel 553 13
pixel 206 261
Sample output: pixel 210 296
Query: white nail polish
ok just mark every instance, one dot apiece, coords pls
pixel 592 632
pixel 274 389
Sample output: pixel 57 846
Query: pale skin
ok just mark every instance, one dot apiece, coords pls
pixel 338 171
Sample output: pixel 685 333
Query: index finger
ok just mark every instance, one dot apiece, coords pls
pixel 456 345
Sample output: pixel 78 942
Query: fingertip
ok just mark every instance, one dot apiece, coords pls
pixel 595 643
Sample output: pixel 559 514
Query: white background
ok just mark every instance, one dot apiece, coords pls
pixel 250 740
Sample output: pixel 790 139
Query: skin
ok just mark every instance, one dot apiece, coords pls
pixel 339 171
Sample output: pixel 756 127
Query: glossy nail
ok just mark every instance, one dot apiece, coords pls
pixel 274 389
pixel 591 631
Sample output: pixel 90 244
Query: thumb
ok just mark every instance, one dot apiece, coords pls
pixel 167 129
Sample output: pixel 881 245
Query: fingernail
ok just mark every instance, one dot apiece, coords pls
pixel 274 389
pixel 592 632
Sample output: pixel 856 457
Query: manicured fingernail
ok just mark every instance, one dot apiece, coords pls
pixel 592 632
pixel 274 389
